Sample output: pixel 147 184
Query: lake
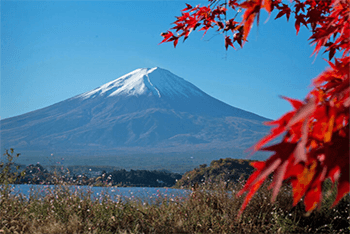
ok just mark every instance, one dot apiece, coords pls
pixel 145 194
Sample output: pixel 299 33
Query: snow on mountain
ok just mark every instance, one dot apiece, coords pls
pixel 144 111
pixel 144 81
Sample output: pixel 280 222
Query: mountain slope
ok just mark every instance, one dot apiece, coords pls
pixel 147 110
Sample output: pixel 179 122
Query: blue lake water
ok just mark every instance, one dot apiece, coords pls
pixel 144 194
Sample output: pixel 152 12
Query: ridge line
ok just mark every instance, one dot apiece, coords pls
pixel 149 81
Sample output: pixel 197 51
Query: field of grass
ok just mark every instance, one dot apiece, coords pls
pixel 209 209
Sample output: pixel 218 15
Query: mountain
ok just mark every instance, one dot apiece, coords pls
pixel 145 112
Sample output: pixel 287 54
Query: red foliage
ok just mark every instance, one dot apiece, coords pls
pixel 315 144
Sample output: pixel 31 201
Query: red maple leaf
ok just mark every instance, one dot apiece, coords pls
pixel 315 135
pixel 228 42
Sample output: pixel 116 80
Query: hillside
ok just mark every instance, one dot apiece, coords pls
pixel 223 170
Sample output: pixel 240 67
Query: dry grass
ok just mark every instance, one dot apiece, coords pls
pixel 209 209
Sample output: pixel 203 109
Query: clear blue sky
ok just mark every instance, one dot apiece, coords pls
pixel 54 50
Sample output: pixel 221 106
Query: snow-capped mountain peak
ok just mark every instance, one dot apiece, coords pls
pixel 146 81
pixel 147 112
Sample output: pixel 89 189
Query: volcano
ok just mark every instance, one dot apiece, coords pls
pixel 147 111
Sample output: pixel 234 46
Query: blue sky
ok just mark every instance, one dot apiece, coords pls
pixel 54 50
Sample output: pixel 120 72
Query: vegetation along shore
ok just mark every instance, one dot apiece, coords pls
pixel 212 207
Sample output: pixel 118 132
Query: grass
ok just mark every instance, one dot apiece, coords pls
pixel 209 209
